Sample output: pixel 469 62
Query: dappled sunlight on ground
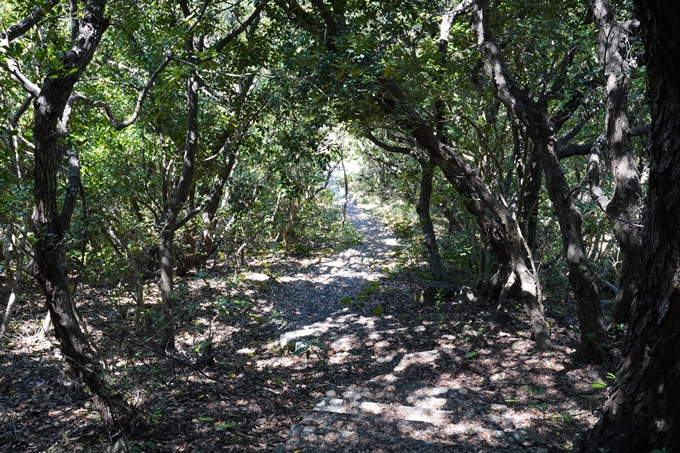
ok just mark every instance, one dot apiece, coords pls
pixel 454 377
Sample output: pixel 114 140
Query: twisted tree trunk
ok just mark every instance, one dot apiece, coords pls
pixel 541 131
pixel 50 265
pixel 621 209
pixel 426 226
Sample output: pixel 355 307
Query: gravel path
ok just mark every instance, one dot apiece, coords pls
pixel 313 293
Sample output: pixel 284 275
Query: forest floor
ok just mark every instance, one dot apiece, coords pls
pixel 230 386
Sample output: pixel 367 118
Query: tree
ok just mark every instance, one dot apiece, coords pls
pixel 427 167
pixel 641 411
pixel 175 194
pixel 52 109
pixel 542 130
pixel 615 53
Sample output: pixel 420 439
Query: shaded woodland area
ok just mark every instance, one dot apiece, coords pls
pixel 528 151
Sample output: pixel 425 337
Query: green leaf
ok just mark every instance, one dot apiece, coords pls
pixel 377 310
pixel 471 354
pixel 598 385
pixel 206 419
pixel 511 401
pixel 346 300
pixel 223 426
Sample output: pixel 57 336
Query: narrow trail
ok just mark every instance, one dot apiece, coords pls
pixel 387 386
pixel 313 293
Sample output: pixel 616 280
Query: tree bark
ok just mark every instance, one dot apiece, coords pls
pixel 541 131
pixel 641 411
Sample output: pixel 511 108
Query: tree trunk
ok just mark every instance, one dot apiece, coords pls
pixel 503 233
pixel 287 231
pixel 529 196
pixel 16 275
pixel 49 266
pixel 346 196
pixel 621 210
pixel 541 131
pixel 641 413
pixel 493 217
pixel 169 304
pixel 174 207
pixel 426 226
pixel 134 270
pixel 186 253
pixel 208 247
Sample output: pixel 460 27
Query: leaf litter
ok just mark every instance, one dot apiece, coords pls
pixel 232 386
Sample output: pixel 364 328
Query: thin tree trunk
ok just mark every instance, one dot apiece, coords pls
pixel 186 256
pixel 15 276
pixel 169 304
pixel 134 270
pixel 641 412
pixel 426 226
pixel 208 216
pixel 8 310
pixel 287 230
pixel 174 207
pixel 530 195
pixel 346 198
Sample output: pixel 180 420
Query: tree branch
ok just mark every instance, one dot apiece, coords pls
pixel 331 22
pixel 26 24
pixel 449 18
pixel 13 68
pixel 200 16
pixel 238 30
pixel 21 110
pixel 575 149
pixel 140 99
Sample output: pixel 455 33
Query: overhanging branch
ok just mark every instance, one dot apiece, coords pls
pixel 27 23
pixel 576 149
pixel 140 99
pixel 238 30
